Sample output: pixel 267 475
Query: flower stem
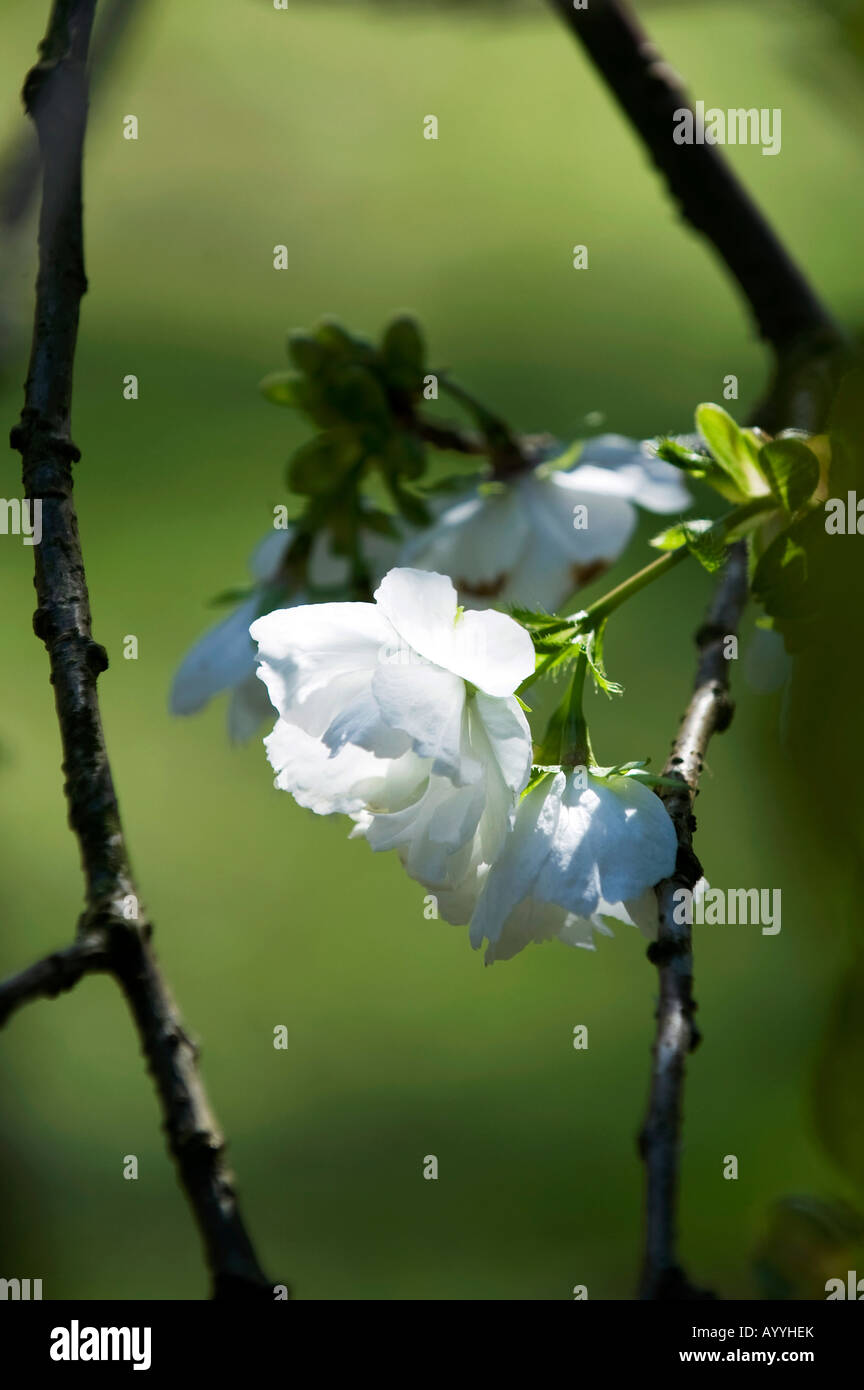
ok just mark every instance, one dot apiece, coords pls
pixel 598 611
pixel 566 742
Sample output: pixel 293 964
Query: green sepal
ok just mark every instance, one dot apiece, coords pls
pixel 592 645
pixel 538 774
pixel 566 743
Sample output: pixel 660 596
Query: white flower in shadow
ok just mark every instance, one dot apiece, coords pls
pixel 528 542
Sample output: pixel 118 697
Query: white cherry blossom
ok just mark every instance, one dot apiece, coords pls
pixel 400 713
pixel 582 848
pixel 524 541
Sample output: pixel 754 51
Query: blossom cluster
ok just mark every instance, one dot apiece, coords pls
pixel 403 713
pixel 520 542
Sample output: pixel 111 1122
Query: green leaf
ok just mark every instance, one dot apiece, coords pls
pixel 404 457
pixel 285 388
pixel 698 535
pixel 709 547
pixel 360 399
pixel 319 465
pixel 403 353
pixel 675 536
pixel 342 346
pixel 791 469
pixel 673 451
pixel 307 354
pixel 780 576
pixel 733 449
pixel 536 620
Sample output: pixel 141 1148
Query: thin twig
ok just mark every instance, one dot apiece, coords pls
pixel 114 930
pixel 452 438
pixel 53 975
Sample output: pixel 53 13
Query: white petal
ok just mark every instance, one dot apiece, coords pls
pixel 512 876
pixel 303 649
pixel 266 559
pixel 428 704
pixel 529 921
pixel 656 485
pixel 612 450
pixel 456 905
pixel 348 712
pixel 593 481
pixel 585 549
pixel 322 782
pixel 500 796
pixel 613 840
pixel 609 514
pixel 248 709
pixel 544 577
pixel 434 833
pixel 475 542
pixel 488 648
pixel 580 931
pixel 642 912
pixel 346 782
pixel 421 606
pixel 509 736
pixel 647 480
pixel 223 657
pixel 492 651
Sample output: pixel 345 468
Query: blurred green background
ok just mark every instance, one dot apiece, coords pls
pixel 260 127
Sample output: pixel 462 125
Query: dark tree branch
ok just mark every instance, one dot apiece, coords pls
pixel 789 316
pixel 709 712
pixel 114 934
pixel 451 437
pixel 19 176
pixel 53 975
pixel 809 352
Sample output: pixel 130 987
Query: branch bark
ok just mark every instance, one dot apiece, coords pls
pixel 709 712
pixel 809 351
pixel 114 934
pixel 789 316
pixel 53 975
